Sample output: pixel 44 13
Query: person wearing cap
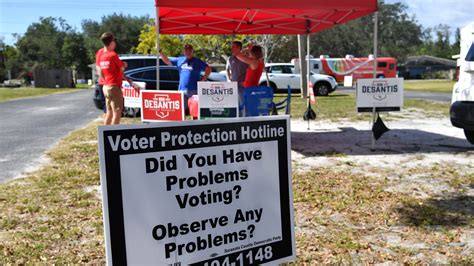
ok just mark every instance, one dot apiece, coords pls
pixel 190 69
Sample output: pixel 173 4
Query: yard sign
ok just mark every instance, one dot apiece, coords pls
pixel 198 192
pixel 385 94
pixel 218 99
pixel 162 106
pixel 131 95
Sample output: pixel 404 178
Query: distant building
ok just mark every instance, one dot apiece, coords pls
pixel 53 78
pixel 427 67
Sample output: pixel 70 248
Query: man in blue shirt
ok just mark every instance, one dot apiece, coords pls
pixel 190 69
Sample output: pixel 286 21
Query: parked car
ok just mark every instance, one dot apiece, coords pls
pixel 169 77
pixel 462 103
pixel 133 61
pixel 282 75
pixel 169 80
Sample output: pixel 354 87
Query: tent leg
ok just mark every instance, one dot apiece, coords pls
pixel 376 17
pixel 308 72
pixel 303 85
pixel 157 28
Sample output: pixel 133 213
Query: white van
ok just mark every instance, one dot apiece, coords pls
pixel 462 103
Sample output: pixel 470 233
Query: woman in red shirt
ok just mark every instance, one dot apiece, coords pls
pixel 255 61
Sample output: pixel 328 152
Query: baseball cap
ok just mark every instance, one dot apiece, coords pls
pixel 188 47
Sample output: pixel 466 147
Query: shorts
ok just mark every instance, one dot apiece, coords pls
pixel 113 98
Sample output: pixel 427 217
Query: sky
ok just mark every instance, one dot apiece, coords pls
pixel 17 15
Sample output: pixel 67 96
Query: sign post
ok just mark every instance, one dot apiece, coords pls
pixel 376 31
pixel 198 192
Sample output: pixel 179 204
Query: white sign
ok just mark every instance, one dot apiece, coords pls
pixel 198 192
pixel 131 95
pixel 218 99
pixel 385 94
pixel 348 81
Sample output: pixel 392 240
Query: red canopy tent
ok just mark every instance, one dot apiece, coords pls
pixel 256 17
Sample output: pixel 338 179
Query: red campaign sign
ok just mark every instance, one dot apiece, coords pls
pixel 162 106
pixel 131 94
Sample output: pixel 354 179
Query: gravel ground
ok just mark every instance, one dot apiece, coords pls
pixel 424 159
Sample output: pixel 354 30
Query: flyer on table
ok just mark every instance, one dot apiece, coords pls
pixel 198 192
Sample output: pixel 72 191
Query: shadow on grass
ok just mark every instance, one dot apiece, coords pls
pixel 450 210
pixel 298 94
pixel 351 141
pixel 337 95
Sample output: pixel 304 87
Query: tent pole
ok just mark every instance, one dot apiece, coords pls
pixel 301 65
pixel 157 28
pixel 376 18
pixel 308 79
pixel 308 72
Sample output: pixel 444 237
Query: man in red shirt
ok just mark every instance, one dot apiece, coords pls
pixel 111 72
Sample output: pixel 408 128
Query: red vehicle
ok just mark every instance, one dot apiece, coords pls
pixel 361 67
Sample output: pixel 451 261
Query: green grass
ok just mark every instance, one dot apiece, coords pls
pixel 25 92
pixel 429 85
pixel 341 106
pixel 364 208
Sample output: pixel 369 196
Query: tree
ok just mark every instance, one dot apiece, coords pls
pixel 51 43
pixel 441 45
pixel 3 73
pixel 74 52
pixel 272 43
pixel 399 35
pixel 456 47
pixel 125 28
pixel 12 62
pixel 91 31
pixel 436 42
pixel 170 44
pixel 212 48
pixel 41 46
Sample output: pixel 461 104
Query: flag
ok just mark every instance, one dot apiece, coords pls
pixel 309 114
pixel 379 128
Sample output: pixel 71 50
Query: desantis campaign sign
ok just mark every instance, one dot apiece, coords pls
pixel 131 94
pixel 218 99
pixel 161 106
pixel 208 192
pixel 385 94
